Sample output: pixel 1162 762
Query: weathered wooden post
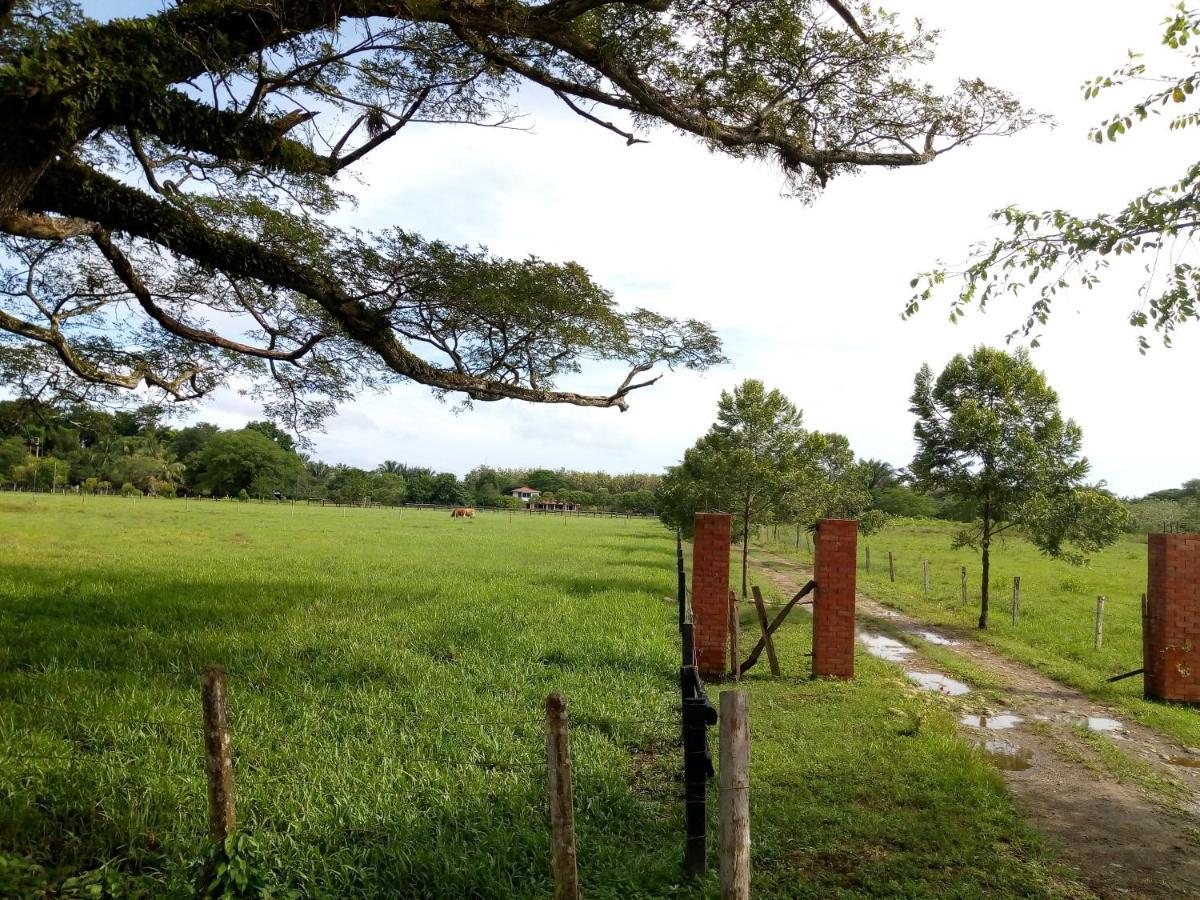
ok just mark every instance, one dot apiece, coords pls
pixel 735 627
pixel 218 755
pixel 964 585
pixel 891 567
pixel 562 800
pixel 925 568
pixel 868 559
pixel 766 630
pixel 1016 610
pixel 1145 635
pixel 734 802
pixel 1099 622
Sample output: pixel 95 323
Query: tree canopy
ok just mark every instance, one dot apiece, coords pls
pixel 759 463
pixel 1051 251
pixel 989 431
pixel 168 183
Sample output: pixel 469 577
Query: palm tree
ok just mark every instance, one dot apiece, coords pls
pixel 390 467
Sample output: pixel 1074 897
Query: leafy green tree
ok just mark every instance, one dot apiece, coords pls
pixel 744 465
pixel 348 484
pixel 12 454
pixel 275 433
pixel 387 488
pixel 211 213
pixel 989 430
pixel 545 480
pixel 1050 251
pixel 233 461
pixel 448 490
pixel 420 485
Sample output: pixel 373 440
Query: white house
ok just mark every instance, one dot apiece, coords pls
pixel 525 494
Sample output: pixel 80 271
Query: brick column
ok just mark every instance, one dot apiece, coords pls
pixel 710 591
pixel 834 560
pixel 1172 640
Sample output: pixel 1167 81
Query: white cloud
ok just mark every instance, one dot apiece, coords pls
pixel 808 298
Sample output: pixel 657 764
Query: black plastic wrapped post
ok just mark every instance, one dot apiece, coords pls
pixel 695 783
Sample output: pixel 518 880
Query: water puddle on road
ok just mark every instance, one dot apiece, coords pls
pixel 934 638
pixel 943 684
pixel 1001 722
pixel 1190 762
pixel 1007 756
pixel 1091 723
pixel 885 647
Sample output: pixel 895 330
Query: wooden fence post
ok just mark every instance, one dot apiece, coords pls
pixel 891 567
pixel 868 559
pixel 218 756
pixel 562 800
pixel 925 567
pixel 964 585
pixel 734 627
pixel 1145 634
pixel 766 631
pixel 1099 622
pixel 734 803
pixel 1016 610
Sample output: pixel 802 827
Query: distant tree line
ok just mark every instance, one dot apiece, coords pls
pixel 138 453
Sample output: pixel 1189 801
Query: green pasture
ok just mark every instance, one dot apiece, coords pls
pixel 1055 630
pixel 387 673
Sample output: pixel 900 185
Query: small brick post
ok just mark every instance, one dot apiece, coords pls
pixel 834 562
pixel 710 591
pixel 1172 640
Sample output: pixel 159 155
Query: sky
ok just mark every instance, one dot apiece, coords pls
pixel 806 297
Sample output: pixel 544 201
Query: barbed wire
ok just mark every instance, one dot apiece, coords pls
pixel 193 726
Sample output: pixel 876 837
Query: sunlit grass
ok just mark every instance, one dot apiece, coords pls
pixel 1055 629
pixel 387 673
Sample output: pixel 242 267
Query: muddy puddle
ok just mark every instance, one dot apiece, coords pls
pixel 885 647
pixel 998 722
pixel 934 638
pixel 1007 756
pixel 942 684
pixel 1190 762
pixel 1091 723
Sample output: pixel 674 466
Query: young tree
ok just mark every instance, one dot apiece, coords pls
pixel 1053 250
pixel 745 464
pixel 989 431
pixel 233 461
pixel 184 163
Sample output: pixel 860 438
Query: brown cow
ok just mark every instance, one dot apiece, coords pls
pixel 462 512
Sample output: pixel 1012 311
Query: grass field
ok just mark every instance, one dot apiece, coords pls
pixel 1056 624
pixel 387 674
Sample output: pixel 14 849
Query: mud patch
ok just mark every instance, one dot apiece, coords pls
pixel 999 722
pixel 942 684
pixel 1007 756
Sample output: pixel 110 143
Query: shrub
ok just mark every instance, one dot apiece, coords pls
pixel 243 496
pixel 128 490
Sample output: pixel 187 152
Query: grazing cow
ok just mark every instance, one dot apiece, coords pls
pixel 462 512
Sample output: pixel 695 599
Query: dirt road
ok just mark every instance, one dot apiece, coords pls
pixel 1120 802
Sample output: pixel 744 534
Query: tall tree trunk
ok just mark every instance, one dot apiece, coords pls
pixel 987 546
pixel 745 548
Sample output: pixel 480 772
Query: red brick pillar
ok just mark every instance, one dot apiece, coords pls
pixel 710 591
pixel 1172 640
pixel 834 561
